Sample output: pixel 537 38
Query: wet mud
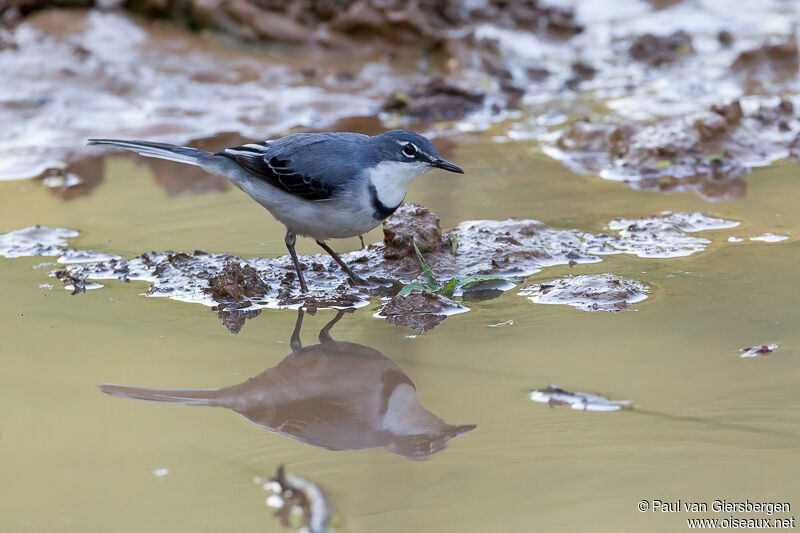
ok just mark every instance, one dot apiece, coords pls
pixel 512 249
pixel 86 74
pixel 658 49
pixel 707 152
pixel 334 395
pixel 435 101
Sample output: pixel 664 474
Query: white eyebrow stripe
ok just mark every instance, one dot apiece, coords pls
pixel 426 154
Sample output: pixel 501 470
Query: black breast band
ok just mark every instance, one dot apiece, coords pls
pixel 380 210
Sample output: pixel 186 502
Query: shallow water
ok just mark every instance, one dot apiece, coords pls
pixel 706 424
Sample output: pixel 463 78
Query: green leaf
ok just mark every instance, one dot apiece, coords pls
pixel 448 289
pixel 451 286
pixel 454 244
pixel 415 285
pixel 425 268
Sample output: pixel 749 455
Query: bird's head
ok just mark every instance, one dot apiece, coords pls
pixel 403 146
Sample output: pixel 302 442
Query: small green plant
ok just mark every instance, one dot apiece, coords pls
pixel 430 285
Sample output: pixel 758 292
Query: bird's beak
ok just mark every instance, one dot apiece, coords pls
pixel 446 165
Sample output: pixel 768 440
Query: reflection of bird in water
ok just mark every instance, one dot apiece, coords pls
pixel 336 395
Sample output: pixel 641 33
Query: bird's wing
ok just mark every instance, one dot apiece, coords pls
pixel 258 160
pixel 310 166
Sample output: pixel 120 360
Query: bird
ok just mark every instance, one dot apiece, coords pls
pixel 331 185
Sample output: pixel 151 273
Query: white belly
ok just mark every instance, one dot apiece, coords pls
pixel 338 218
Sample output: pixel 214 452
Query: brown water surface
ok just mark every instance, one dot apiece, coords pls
pixel 706 424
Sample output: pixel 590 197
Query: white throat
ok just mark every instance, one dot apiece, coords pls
pixel 392 178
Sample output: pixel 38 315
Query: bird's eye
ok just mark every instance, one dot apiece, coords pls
pixel 409 150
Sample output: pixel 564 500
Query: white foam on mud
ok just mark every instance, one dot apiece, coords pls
pixel 769 237
pixel 592 292
pixel 35 241
pixel 758 351
pixel 580 401
pixel 71 256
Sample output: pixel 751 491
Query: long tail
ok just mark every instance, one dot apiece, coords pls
pixel 170 152
pixel 186 397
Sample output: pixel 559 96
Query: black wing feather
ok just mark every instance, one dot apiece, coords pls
pixel 279 172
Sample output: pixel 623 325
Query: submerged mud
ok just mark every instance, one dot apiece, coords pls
pixel 512 249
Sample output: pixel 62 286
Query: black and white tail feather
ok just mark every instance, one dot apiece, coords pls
pixel 170 152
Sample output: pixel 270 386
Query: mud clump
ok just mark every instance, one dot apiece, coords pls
pixel 13 11
pixel 656 50
pixel 530 15
pixel 770 66
pixel 410 224
pixel 781 55
pixel 725 38
pixel 596 292
pixel 580 72
pixel 419 24
pixel 78 285
pixel 419 310
pixel 438 100
pixel 235 283
pixel 732 112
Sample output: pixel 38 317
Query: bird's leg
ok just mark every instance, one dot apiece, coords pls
pixel 361 238
pixel 290 239
pixel 342 264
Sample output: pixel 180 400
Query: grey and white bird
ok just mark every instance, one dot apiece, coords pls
pixel 318 185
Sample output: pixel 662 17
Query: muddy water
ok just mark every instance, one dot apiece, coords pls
pixel 706 423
